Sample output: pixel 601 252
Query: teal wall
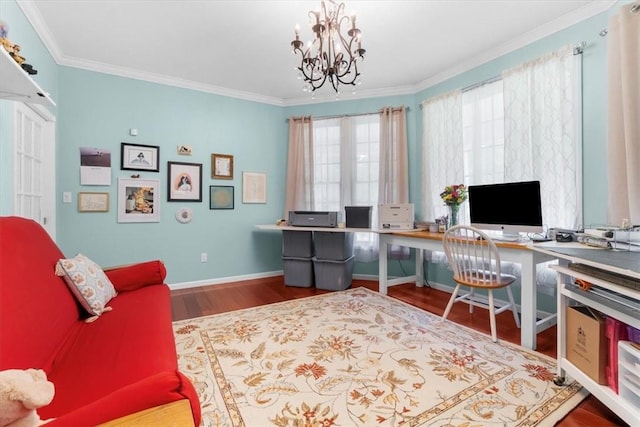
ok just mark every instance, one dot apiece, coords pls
pixel 97 110
pixel 36 54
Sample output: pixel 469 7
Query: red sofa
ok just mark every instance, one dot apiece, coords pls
pixel 122 363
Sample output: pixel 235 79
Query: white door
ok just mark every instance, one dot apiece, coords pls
pixel 34 165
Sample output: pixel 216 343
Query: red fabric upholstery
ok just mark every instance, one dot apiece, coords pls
pixel 37 311
pixel 132 277
pixel 123 362
pixel 134 397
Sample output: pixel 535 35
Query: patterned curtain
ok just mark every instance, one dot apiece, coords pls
pixel 543 140
pixel 623 51
pixel 442 150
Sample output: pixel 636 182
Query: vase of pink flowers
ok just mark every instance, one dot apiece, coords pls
pixel 453 196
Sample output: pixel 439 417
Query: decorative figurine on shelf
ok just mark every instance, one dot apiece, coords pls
pixel 14 50
pixel 453 196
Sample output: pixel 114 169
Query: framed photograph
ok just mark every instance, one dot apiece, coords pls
pixel 221 166
pixel 184 182
pixel 254 187
pixel 93 202
pixel 138 157
pixel 220 197
pixel 138 200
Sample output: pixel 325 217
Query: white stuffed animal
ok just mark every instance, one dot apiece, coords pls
pixel 21 393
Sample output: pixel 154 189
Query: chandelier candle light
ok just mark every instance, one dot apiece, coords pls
pixel 323 58
pixel 453 196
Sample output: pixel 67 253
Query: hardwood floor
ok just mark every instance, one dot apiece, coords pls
pixel 207 300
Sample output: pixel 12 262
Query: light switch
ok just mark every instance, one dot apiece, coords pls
pixel 133 132
pixel 66 197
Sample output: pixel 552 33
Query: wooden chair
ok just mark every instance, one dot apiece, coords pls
pixel 475 262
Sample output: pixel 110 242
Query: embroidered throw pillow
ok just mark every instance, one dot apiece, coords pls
pixel 88 283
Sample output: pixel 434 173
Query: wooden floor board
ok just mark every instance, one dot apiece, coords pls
pixel 208 300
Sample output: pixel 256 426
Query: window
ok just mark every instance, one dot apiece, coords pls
pixel 326 164
pixel 526 126
pixel 346 154
pixel 346 162
pixel 483 134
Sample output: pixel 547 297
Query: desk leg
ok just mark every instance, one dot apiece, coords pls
pixel 528 305
pixel 419 267
pixel 382 265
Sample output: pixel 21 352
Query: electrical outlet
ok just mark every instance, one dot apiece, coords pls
pixel 203 257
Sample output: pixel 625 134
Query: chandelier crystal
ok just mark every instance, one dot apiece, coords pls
pixel 331 55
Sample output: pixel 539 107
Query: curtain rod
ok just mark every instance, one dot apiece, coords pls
pixel 634 9
pixel 337 116
pixel 482 83
pixel 577 50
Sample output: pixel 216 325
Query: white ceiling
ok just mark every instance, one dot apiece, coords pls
pixel 242 48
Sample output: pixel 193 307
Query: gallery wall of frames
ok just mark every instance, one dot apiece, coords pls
pixel 139 194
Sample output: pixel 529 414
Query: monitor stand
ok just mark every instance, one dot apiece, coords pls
pixel 503 237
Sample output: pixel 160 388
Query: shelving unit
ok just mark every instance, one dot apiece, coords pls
pixel 625 307
pixel 17 85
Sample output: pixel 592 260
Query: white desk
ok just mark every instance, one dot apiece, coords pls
pixel 329 229
pixel 520 253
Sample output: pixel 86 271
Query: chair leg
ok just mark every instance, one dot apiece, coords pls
pixel 492 317
pixel 472 298
pixel 514 309
pixel 451 301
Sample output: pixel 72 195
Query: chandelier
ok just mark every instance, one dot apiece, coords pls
pixel 330 56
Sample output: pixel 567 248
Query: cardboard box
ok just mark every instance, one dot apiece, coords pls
pixel 586 342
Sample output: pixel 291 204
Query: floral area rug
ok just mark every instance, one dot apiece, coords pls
pixel 359 358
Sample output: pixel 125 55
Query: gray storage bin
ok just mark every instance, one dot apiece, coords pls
pixel 297 244
pixel 358 216
pixel 333 275
pixel 298 271
pixel 336 246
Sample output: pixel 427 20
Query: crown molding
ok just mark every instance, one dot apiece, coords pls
pixel 36 21
pixel 100 67
pixel 364 94
pixel 539 33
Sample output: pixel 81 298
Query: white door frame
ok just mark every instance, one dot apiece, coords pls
pixel 48 214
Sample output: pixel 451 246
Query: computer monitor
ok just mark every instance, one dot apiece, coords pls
pixel 512 207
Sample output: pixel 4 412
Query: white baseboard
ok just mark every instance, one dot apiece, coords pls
pixel 369 277
pixel 221 280
pixel 231 279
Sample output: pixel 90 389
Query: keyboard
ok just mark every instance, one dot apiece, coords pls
pixel 540 239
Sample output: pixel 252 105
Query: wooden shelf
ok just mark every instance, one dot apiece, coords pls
pixel 17 85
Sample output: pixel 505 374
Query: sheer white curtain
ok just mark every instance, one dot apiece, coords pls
pixel 359 158
pixel 442 150
pixel 623 51
pixel 543 138
pixel 393 185
pixel 300 175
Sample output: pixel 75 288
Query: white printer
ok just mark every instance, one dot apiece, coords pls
pixel 395 216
